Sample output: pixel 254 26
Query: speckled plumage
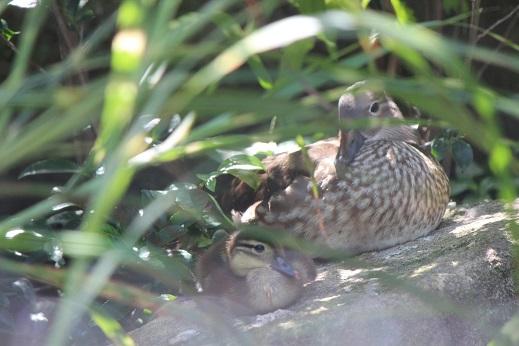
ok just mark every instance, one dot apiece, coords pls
pixel 376 187
pixel 391 193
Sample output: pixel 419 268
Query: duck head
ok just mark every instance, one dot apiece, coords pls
pixel 359 102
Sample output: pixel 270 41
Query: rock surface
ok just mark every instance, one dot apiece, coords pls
pixel 453 287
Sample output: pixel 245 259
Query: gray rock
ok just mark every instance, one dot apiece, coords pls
pixel 453 287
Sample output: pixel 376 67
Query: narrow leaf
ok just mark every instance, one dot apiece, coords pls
pixel 53 166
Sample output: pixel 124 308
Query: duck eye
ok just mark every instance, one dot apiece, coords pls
pixel 259 248
pixel 374 107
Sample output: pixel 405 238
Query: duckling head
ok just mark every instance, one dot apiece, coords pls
pixel 246 255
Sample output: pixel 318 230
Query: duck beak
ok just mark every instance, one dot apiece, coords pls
pixel 282 266
pixel 350 143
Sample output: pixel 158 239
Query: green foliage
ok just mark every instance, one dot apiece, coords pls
pixel 455 6
pixel 111 328
pixel 175 88
pixel 5 31
pixel 403 13
pixel 450 145
pixel 243 167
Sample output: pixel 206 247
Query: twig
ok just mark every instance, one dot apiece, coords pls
pixel 68 38
pixel 474 24
pixel 474 20
pixel 15 50
pixel 71 42
pixel 499 46
pixel 493 26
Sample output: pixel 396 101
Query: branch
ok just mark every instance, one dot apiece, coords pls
pixel 500 21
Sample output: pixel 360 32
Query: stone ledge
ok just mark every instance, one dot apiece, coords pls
pixel 452 287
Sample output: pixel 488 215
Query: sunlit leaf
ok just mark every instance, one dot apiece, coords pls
pixel 5 31
pixel 500 158
pixel 84 244
pixel 155 153
pixel 243 167
pixel 167 297
pixel 484 101
pixel 365 3
pixel 111 328
pixel 261 72
pixel 23 240
pixel 403 13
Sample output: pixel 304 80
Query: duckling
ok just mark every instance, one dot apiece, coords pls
pixel 376 187
pixel 254 274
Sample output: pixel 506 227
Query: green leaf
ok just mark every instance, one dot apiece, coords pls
pixel 231 28
pixel 111 231
pixel 168 234
pixel 5 31
pixel 309 6
pixel 52 166
pixel 346 5
pixel 183 217
pixel 439 148
pixel 294 56
pixel 203 242
pixel 243 167
pixel 188 196
pixel 500 158
pixel 457 6
pixel 484 102
pixel 23 240
pixel 67 219
pixel 462 153
pixel 300 141
pixel 167 297
pixel 84 244
pixel 177 136
pixel 403 13
pixel 261 72
pixel 191 205
pixel 111 328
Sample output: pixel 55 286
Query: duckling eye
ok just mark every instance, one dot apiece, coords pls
pixel 259 248
pixel 374 107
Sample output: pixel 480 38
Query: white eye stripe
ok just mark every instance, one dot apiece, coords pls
pixel 251 247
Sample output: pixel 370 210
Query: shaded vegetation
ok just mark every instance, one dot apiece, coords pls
pixel 117 117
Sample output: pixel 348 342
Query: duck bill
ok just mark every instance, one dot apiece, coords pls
pixel 350 143
pixel 282 266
